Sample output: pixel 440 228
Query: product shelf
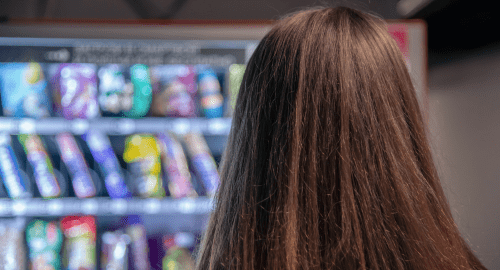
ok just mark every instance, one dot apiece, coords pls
pixel 115 126
pixel 37 207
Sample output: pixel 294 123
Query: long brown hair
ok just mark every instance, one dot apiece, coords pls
pixel 328 164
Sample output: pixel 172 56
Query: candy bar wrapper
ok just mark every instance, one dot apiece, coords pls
pixel 24 90
pixel 209 88
pixel 142 154
pixel 176 166
pixel 103 154
pixel 72 157
pixel 174 90
pixel 80 243
pixel 115 249
pixel 43 170
pixel 44 241
pixel 124 91
pixel 13 180
pixel 75 90
pixel 139 243
pixel 12 250
pixel 202 161
pixel 236 72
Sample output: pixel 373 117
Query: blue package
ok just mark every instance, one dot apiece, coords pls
pixel 210 94
pixel 101 150
pixel 24 90
pixel 10 172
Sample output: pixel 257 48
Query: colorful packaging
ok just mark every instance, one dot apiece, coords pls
pixel 75 90
pixel 80 244
pixel 101 150
pixel 236 73
pixel 177 255
pixel 12 249
pixel 211 99
pixel 43 170
pixel 176 167
pixel 174 90
pixel 115 248
pixel 124 91
pixel 202 161
pixel 142 154
pixel 44 241
pixel 83 185
pixel 24 90
pixel 13 180
pixel 138 243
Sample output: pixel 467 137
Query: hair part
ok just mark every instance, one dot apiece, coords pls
pixel 327 164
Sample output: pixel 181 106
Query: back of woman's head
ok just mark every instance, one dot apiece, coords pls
pixel 328 164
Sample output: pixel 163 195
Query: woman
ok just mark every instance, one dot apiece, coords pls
pixel 328 164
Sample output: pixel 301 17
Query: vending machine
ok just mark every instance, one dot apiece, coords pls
pixel 111 136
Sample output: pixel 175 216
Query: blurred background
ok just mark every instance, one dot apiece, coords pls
pixel 459 57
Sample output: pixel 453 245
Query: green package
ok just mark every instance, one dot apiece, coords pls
pixel 44 241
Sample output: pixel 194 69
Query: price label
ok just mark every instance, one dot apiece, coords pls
pixel 181 126
pixel 152 206
pixel 55 207
pixel 27 126
pixel 80 126
pixel 118 207
pixel 187 206
pixel 90 207
pixel 19 208
pixel 218 127
pixel 126 126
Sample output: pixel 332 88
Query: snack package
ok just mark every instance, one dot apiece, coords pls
pixel 24 90
pixel 176 166
pixel 75 90
pixel 44 241
pixel 12 250
pixel 115 248
pixel 177 255
pixel 211 99
pixel 124 91
pixel 15 182
pixel 80 244
pixel 142 154
pixel 138 243
pixel 174 90
pixel 202 162
pixel 236 72
pixel 101 150
pixel 43 170
pixel 83 184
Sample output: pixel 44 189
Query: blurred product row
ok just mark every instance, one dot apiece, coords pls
pixel 78 243
pixel 87 91
pixel 143 165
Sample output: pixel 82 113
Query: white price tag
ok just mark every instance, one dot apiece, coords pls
pixel 27 126
pixel 55 207
pixel 126 126
pixel 4 208
pixel 6 125
pixel 187 206
pixel 181 126
pixel 217 126
pixel 152 206
pixel 80 126
pixel 90 206
pixel 19 208
pixel 119 207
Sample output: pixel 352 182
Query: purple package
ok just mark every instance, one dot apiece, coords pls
pixel 75 87
pixel 174 91
pixel 101 150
